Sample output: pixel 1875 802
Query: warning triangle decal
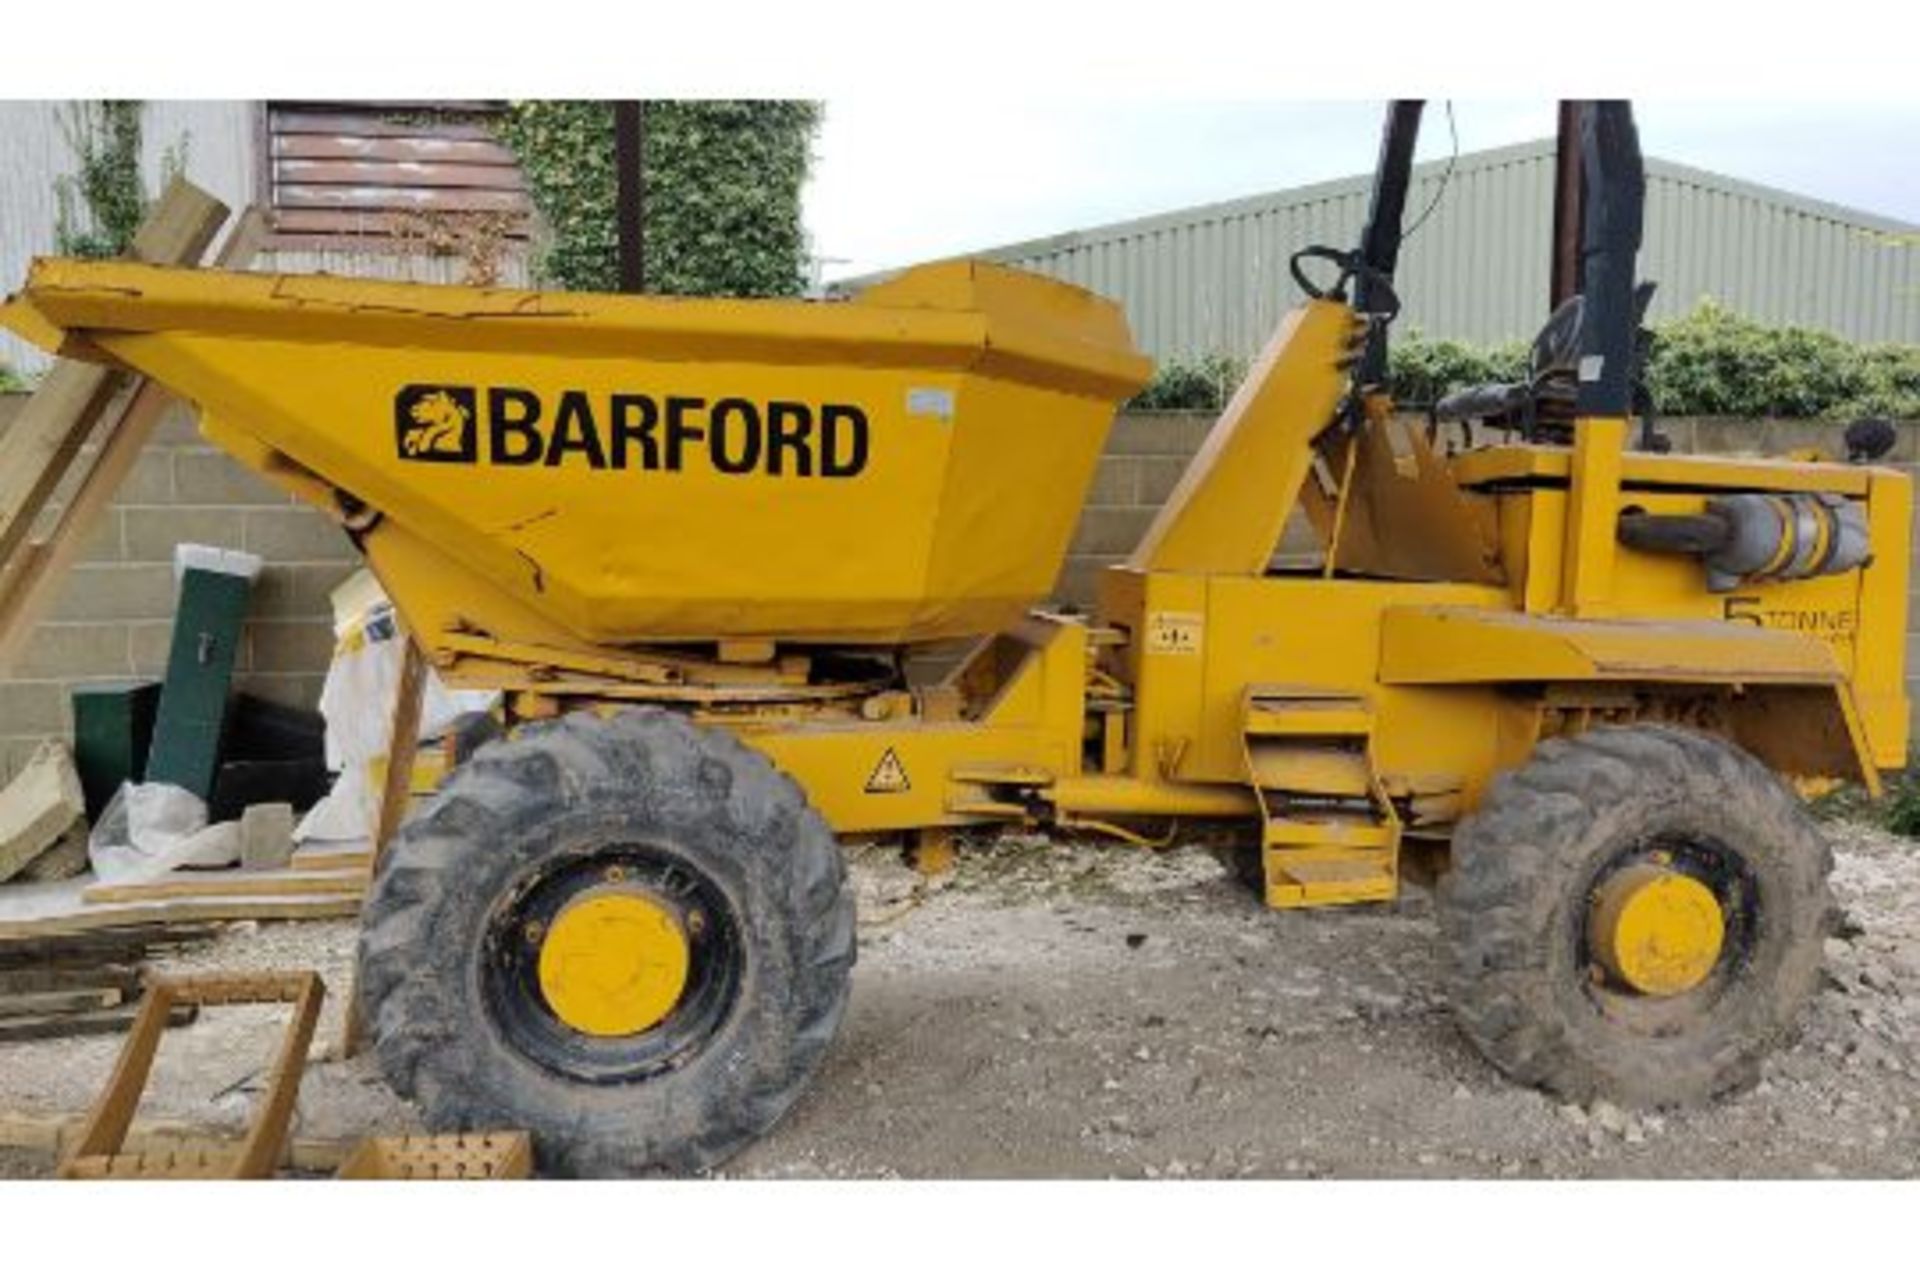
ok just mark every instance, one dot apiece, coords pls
pixel 887 776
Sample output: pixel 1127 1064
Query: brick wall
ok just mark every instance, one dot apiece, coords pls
pixel 114 615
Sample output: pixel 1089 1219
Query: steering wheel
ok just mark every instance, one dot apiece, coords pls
pixel 1338 257
pixel 1380 287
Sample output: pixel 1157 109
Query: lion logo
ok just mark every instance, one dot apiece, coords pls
pixel 438 425
pixel 435 424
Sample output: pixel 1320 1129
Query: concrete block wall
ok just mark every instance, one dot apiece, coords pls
pixel 1146 453
pixel 113 615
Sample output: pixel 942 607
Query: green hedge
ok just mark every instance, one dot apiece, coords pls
pixel 1710 362
pixel 1205 382
pixel 723 183
pixel 9 380
pixel 1715 362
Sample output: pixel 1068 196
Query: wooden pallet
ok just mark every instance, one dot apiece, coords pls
pixel 53 1132
pixel 457 1157
pixel 100 1149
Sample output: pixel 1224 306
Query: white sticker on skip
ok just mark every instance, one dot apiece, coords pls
pixel 930 402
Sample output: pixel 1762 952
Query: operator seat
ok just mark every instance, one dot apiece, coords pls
pixel 1541 408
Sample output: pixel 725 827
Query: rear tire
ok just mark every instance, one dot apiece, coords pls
pixel 459 1029
pixel 1513 909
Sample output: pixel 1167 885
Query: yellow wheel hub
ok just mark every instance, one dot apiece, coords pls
pixel 613 963
pixel 1656 930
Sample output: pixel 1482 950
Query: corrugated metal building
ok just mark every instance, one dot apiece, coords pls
pixel 1214 278
pixel 332 178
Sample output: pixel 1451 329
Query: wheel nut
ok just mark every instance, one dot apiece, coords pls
pixel 615 874
pixel 696 923
pixel 535 931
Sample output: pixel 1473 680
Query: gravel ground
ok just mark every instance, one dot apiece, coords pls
pixel 1059 1010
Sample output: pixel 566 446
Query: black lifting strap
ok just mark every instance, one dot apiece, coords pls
pixel 1380 240
pixel 1616 188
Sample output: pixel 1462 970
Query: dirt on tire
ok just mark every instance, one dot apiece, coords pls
pixel 1514 905
pixel 476 1051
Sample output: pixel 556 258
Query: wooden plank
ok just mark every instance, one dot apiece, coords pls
pixel 267 1136
pixel 320 146
pixel 112 1113
pixel 288 196
pixel 332 860
pixel 399 173
pixel 405 122
pixel 245 242
pixel 403 744
pixel 229 884
pixel 31 589
pixel 179 910
pixel 319 230
pixel 102 1022
pixel 45 1003
pixel 181 227
pixel 350 106
pixel 45 437
pixel 92 976
pixel 100 950
pixel 48 433
pixel 30 583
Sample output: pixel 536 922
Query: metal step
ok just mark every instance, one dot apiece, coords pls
pixel 1345 835
pixel 1328 862
pixel 1297 877
pixel 1329 834
pixel 1281 711
pixel 1311 770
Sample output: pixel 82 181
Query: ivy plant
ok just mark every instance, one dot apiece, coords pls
pixel 722 193
pixel 101 205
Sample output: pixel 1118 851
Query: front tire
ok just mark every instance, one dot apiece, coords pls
pixel 712 837
pixel 1529 867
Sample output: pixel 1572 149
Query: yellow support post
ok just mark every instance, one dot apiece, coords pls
pixel 1593 505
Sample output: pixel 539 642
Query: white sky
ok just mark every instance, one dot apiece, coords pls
pixel 904 178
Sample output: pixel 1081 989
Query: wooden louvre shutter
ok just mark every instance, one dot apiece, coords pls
pixel 362 171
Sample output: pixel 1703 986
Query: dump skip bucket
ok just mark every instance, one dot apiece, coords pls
pixel 904 467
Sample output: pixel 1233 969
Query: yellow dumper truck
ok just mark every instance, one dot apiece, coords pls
pixel 1561 674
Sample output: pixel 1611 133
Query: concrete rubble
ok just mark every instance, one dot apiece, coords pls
pixel 37 811
pixel 266 837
